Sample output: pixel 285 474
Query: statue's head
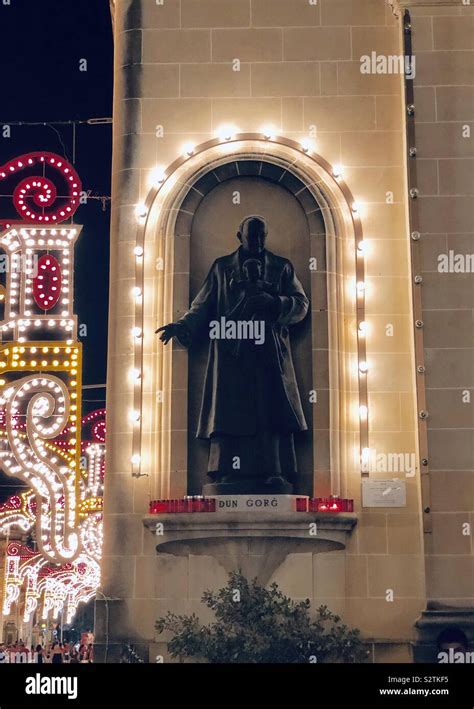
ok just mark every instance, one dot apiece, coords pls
pixel 252 234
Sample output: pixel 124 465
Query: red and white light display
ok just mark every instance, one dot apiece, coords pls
pixel 40 399
pixel 35 197
pixel 47 284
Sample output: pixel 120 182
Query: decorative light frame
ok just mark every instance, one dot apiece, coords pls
pixel 333 174
pixel 25 247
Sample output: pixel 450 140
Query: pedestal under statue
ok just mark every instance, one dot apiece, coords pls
pixel 251 405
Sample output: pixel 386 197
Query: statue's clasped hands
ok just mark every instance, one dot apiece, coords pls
pixel 263 305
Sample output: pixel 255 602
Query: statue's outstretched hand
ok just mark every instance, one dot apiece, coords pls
pixel 169 331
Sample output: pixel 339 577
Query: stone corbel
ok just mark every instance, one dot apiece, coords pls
pixel 255 544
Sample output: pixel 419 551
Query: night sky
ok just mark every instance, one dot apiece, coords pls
pixel 43 42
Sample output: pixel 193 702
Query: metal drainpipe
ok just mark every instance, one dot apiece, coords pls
pixel 417 280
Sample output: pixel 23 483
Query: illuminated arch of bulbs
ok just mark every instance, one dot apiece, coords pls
pixel 160 178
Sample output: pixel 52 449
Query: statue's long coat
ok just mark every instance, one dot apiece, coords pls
pixel 228 403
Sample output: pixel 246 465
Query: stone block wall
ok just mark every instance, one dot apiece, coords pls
pixel 298 69
pixel 444 103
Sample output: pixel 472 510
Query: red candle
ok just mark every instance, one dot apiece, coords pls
pixel 210 504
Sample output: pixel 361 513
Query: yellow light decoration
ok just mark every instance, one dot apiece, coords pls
pixel 92 504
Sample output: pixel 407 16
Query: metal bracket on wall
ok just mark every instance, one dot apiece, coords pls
pixel 417 280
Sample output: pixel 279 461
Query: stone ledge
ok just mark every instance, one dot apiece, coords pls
pixel 332 527
pixel 424 3
pixel 254 543
pixel 432 622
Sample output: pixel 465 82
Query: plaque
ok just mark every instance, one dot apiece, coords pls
pixel 256 503
pixel 384 493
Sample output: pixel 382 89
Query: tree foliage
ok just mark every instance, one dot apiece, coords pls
pixel 255 624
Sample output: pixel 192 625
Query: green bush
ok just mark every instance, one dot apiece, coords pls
pixel 255 624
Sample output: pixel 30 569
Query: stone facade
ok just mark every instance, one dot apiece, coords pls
pixel 442 42
pixel 182 69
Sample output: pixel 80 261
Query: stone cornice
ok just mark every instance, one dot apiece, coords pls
pixel 397 5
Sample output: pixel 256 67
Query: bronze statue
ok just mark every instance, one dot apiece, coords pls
pixel 251 406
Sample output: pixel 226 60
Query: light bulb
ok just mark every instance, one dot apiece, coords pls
pixel 306 145
pixel 141 211
pixel 157 175
pixel 225 132
pixel 136 291
pixel 138 251
pixel 269 132
pixel 363 367
pixel 136 332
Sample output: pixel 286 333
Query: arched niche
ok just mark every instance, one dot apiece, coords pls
pixel 326 206
pixel 206 228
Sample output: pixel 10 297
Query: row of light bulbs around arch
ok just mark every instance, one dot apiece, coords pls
pixel 226 133
pixel 158 176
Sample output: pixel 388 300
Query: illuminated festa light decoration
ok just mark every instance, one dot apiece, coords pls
pixel 40 399
pixel 18 512
pixel 58 588
pixel 36 197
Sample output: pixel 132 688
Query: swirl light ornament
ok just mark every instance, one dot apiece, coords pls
pixel 32 581
pixel 44 402
pixel 36 198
